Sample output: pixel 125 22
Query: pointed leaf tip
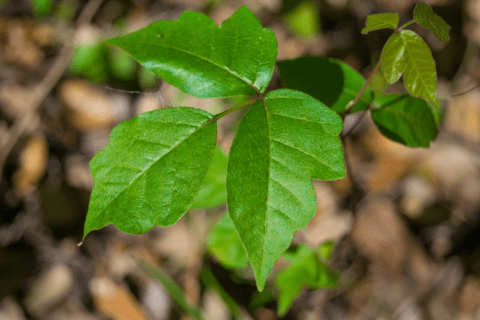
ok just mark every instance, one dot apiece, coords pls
pixel 428 19
pixel 204 60
pixel 281 144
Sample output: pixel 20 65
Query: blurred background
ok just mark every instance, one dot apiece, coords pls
pixel 406 224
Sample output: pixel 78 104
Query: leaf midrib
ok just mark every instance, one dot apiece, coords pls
pixel 411 59
pixel 152 163
pixel 225 68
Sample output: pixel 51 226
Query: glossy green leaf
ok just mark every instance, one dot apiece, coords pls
pixel 405 119
pixel 151 170
pixel 331 81
pixel 305 271
pixel 224 243
pixel 204 60
pixel 381 21
pixel 213 192
pixel 281 144
pixel 428 19
pixel 407 53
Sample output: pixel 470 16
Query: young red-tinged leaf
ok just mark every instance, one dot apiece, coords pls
pixel 405 119
pixel 151 170
pixel 428 19
pixel 381 21
pixel 281 144
pixel 407 53
pixel 204 60
pixel 331 81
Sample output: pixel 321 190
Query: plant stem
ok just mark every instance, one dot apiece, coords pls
pixel 241 105
pixel 405 25
pixel 360 93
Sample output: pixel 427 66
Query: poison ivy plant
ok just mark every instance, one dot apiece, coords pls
pixel 213 191
pixel 331 81
pixel 405 119
pixel 381 21
pixel 155 165
pixel 308 269
pixel 405 52
pixel 428 19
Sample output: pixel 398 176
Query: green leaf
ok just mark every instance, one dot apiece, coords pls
pixel 405 119
pixel 331 81
pixel 381 21
pixel 90 61
pixel 213 192
pixel 407 53
pixel 41 8
pixel 173 289
pixel 121 64
pixel 224 243
pixel 151 170
pixel 428 19
pixel 305 270
pixel 281 143
pixel 303 20
pixel 204 60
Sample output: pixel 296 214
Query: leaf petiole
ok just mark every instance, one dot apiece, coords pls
pixel 405 25
pixel 240 106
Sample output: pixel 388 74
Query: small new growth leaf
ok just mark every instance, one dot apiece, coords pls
pixel 407 53
pixel 381 21
pixel 428 19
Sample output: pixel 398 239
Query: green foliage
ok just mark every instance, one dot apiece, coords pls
pixel 204 60
pixel 280 145
pixel 405 52
pixel 381 21
pixel 213 191
pixel 307 269
pixel 90 61
pixel 156 164
pixel 173 290
pixel 428 19
pixel 152 169
pixel 304 20
pixel 331 81
pixel 405 119
pixel 41 8
pixel 225 244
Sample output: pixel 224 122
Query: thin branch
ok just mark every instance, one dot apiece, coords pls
pixel 405 25
pixel 41 91
pixel 241 105
pixel 360 93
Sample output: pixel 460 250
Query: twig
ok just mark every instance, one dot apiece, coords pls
pixel 360 93
pixel 41 91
